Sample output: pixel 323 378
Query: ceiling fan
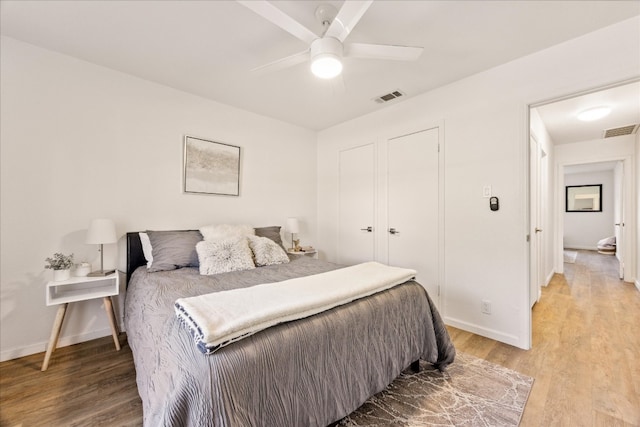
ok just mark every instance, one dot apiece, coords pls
pixel 326 51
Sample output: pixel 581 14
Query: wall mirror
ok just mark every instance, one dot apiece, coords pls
pixel 584 198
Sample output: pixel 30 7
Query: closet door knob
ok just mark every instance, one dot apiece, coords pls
pixel 393 231
pixel 368 229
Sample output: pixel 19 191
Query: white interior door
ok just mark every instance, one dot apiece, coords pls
pixel 413 206
pixel 535 232
pixel 543 223
pixel 356 217
pixel 618 214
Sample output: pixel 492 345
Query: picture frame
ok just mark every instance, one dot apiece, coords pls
pixel 211 167
pixel 583 198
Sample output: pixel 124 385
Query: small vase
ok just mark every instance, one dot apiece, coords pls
pixel 60 275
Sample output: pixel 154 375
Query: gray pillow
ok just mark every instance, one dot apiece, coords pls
pixel 272 233
pixel 173 249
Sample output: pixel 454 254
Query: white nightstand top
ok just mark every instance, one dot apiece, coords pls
pixel 82 288
pixel 312 252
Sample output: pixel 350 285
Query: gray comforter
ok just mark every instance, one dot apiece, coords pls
pixel 309 372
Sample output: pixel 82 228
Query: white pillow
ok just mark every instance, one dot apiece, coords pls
pixel 146 248
pixel 266 251
pixel 222 256
pixel 225 231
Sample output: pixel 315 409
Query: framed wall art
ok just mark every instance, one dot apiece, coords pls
pixel 211 167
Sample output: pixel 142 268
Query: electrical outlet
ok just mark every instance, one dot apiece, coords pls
pixel 485 306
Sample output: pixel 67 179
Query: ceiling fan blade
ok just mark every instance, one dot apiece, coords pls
pixel 283 63
pixel 347 18
pixel 382 51
pixel 281 19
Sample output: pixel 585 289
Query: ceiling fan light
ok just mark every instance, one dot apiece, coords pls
pixel 326 57
pixel 594 114
pixel 326 66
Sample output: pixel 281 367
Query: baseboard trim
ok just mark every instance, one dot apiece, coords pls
pixel 549 277
pixel 41 347
pixel 638 285
pixel 485 332
pixel 585 248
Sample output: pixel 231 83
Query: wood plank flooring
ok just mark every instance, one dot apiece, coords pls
pixel 586 348
pixel 585 361
pixel 87 384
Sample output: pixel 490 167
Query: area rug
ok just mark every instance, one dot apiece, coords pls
pixel 472 392
pixel 570 256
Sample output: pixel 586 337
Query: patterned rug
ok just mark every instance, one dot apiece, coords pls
pixel 472 392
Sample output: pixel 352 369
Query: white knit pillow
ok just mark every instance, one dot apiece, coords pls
pixel 222 256
pixel 226 231
pixel 266 251
pixel 147 250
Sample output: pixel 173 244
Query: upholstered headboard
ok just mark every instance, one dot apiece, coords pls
pixel 135 256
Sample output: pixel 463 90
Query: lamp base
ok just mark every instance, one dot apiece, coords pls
pixel 101 273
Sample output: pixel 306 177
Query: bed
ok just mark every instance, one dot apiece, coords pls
pixel 309 372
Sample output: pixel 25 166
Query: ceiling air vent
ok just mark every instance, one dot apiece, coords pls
pixel 388 97
pixel 624 130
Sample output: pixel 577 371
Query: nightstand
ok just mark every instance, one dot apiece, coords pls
pixel 312 253
pixel 80 289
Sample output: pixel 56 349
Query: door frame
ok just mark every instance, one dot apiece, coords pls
pixel 632 270
pixel 628 232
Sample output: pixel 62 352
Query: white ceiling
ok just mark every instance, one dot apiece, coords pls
pixel 590 167
pixel 208 47
pixel 565 128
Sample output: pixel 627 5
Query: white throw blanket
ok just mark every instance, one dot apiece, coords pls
pixel 220 318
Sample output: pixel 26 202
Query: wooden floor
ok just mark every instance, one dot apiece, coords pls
pixel 585 361
pixel 87 384
pixel 586 348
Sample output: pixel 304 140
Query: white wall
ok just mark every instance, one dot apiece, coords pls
pixel 485 126
pixel 81 141
pixel 583 230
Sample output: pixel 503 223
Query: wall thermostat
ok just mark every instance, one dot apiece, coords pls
pixel 494 204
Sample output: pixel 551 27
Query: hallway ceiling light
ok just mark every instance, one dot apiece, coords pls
pixel 594 114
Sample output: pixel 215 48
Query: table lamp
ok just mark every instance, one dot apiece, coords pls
pixel 292 227
pixel 101 231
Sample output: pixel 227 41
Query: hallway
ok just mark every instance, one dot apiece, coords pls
pixel 586 348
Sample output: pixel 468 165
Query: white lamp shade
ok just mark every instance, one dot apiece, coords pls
pixel 292 225
pixel 101 231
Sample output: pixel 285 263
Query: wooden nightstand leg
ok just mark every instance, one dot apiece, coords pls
pixel 55 333
pixel 108 307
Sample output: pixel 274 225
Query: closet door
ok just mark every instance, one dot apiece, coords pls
pixel 413 206
pixel 356 201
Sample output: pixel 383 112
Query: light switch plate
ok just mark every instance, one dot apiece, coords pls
pixel 486 191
